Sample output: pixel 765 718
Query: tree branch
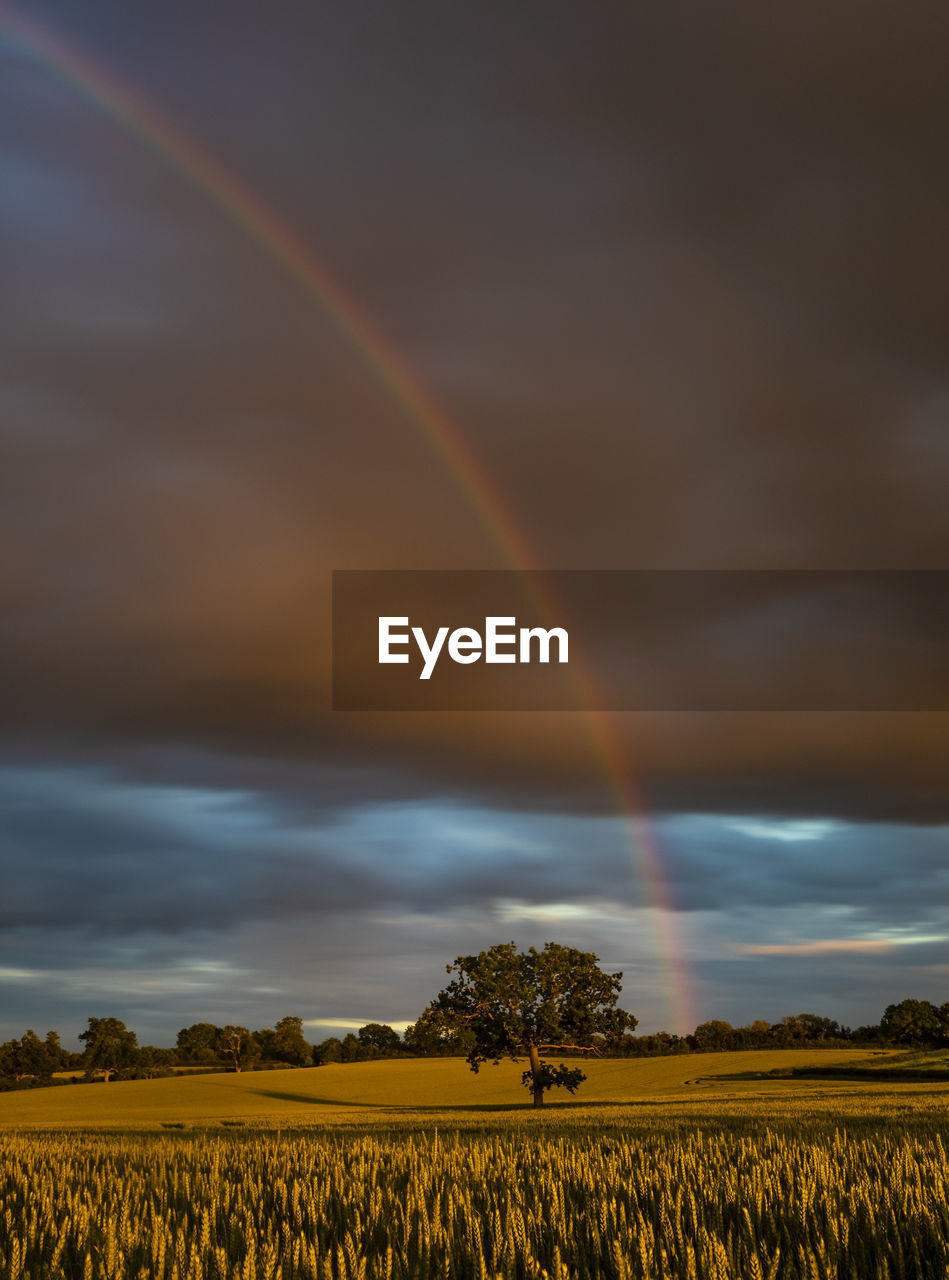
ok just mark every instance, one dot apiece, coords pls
pixel 582 1048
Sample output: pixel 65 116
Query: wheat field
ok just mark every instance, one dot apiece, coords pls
pixel 745 1196
pixel 399 1083
pixel 714 1175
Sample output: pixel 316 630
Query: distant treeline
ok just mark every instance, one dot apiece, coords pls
pixel 112 1051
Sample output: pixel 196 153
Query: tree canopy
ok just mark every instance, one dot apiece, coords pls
pixel 287 1043
pixel 236 1046
pixel 31 1057
pixel 913 1022
pixel 109 1046
pixel 379 1036
pixel 197 1042
pixel 514 1003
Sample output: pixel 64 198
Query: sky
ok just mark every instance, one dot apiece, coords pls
pixel 675 278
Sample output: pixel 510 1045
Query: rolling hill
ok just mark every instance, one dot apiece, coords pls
pixel 411 1084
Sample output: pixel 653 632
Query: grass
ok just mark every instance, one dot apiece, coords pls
pixel 911 1066
pixel 395 1085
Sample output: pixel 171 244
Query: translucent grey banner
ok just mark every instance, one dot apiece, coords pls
pixel 641 640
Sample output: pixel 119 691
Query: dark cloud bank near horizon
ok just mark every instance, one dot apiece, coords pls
pixel 680 279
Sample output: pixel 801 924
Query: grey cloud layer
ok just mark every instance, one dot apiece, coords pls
pixel 164 901
pixel 678 275
pixel 80 845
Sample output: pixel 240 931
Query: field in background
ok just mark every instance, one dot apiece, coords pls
pixel 419 1084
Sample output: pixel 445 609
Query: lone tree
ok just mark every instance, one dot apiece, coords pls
pixel 235 1045
pixel 110 1046
pixel 527 1003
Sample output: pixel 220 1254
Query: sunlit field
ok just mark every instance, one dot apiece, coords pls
pixel 694 1168
pixel 415 1083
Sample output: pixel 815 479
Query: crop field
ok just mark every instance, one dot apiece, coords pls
pixel 730 1177
pixel 368 1087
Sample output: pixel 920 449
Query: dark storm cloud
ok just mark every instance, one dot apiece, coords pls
pixel 877 874
pixel 679 275
pixel 83 847
pixel 171 906
pixel 597 253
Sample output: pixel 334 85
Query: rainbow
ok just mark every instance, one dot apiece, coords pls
pixel 258 221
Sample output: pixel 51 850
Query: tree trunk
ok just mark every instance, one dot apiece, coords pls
pixel 535 1073
pixel 106 1072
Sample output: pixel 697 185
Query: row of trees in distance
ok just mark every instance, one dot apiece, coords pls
pixel 112 1050
pixel 500 1003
